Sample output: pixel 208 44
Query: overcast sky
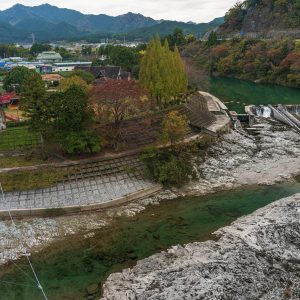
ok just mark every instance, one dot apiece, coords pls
pixel 183 10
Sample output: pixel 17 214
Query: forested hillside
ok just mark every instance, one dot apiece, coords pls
pixel 269 61
pixel 262 15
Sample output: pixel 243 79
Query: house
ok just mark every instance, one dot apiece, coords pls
pixel 49 57
pixel 44 69
pixel 70 66
pixel 106 73
pixel 51 80
pixel 9 98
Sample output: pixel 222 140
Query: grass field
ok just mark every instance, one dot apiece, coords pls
pixel 18 138
pixel 18 161
pixel 35 179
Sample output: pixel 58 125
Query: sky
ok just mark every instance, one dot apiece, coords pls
pixel 181 10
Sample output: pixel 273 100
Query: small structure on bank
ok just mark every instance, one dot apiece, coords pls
pixel 206 113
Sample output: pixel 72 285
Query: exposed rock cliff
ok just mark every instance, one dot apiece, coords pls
pixel 263 16
pixel 257 257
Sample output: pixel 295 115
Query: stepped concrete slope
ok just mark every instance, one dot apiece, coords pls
pixel 95 183
pixel 257 257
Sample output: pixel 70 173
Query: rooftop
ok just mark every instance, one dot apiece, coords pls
pixel 49 55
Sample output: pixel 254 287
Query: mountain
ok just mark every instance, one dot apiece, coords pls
pixel 262 16
pixel 21 16
pixel 166 27
pixel 49 22
pixel 7 31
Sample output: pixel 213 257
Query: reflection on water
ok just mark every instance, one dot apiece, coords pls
pixel 238 93
pixel 69 266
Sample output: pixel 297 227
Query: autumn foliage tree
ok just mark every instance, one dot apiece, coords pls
pixel 118 99
pixel 175 127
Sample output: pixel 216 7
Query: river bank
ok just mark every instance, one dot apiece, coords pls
pixel 256 257
pixel 270 157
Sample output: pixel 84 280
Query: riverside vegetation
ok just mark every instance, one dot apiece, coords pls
pixel 274 61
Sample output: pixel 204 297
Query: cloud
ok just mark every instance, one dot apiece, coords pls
pixel 182 10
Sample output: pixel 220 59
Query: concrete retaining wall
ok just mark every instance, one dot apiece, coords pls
pixel 42 212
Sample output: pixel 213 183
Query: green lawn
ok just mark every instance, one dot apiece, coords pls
pixel 32 179
pixel 18 138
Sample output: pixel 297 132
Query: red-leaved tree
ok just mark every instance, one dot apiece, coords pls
pixel 118 99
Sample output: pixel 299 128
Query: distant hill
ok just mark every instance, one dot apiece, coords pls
pixel 166 27
pixel 49 22
pixel 7 32
pixel 263 16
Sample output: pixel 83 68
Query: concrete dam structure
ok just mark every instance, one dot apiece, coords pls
pixel 287 114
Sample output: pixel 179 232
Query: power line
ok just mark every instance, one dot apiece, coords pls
pixel 25 254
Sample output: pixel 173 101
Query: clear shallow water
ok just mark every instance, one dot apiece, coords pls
pixel 238 93
pixel 68 267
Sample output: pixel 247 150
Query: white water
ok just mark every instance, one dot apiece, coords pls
pixel 263 111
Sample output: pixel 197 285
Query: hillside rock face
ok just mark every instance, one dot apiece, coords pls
pixel 257 257
pixel 266 19
pixel 263 16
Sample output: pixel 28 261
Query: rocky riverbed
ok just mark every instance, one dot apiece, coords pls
pixel 256 257
pixel 271 156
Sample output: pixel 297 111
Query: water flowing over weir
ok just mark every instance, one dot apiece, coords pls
pixel 293 109
pixel 263 111
pixel 287 114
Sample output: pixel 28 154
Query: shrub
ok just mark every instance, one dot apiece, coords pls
pixel 81 142
pixel 168 166
pixel 173 166
pixel 175 127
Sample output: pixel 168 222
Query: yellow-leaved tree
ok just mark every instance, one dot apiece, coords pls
pixel 162 72
pixel 175 127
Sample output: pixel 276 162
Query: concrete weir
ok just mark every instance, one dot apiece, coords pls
pixel 287 114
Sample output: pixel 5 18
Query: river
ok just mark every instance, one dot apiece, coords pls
pixel 69 266
pixel 238 93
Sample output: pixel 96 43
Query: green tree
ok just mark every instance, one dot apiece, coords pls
pixel 212 39
pixel 162 72
pixel 177 38
pixel 81 142
pixel 16 78
pixel 86 50
pixel 38 48
pixel 34 102
pixel 66 54
pixel 68 82
pixel 70 110
pixel 86 76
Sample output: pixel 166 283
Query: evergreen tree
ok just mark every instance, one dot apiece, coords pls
pixel 162 72
pixel 34 102
pixel 16 78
